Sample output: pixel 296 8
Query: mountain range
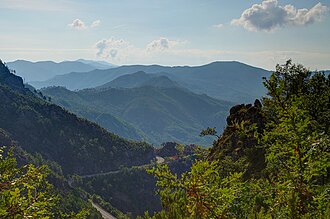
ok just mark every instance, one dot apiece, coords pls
pixel 44 70
pixel 231 81
pixel 140 79
pixel 155 112
pixel 79 146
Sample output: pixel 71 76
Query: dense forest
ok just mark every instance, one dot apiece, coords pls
pixel 271 161
pixel 79 146
pixel 45 145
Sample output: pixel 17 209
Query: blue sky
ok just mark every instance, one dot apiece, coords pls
pixel 167 32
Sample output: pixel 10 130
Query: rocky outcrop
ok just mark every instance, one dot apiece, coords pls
pixel 239 140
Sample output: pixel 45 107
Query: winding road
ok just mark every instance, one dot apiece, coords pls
pixel 104 213
pixel 159 160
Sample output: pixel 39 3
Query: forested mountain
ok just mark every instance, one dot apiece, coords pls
pixel 140 79
pixel 78 145
pixel 272 160
pixel 77 104
pixel 160 113
pixel 44 70
pixel 33 187
pixel 231 81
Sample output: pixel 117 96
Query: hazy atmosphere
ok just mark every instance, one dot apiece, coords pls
pixel 165 109
pixel 172 32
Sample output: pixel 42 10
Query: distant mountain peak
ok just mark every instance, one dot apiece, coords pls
pixel 97 64
pixel 140 79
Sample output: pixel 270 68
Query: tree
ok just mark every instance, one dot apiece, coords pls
pixel 26 193
pixel 199 193
pixel 297 141
pixel 294 181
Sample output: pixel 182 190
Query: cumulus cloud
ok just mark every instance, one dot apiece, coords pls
pixel 161 44
pixel 95 23
pixel 269 15
pixel 110 48
pixel 78 24
pixel 117 50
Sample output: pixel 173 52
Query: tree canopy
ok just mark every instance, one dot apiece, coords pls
pixel 286 141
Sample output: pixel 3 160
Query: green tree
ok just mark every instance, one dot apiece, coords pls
pixel 199 193
pixel 297 141
pixel 293 138
pixel 26 193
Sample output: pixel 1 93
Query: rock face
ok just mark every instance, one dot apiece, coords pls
pixel 238 139
pixel 248 113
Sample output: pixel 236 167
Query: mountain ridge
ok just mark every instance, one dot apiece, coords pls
pixel 140 79
pixel 231 81
pixel 162 114
pixel 78 145
pixel 44 70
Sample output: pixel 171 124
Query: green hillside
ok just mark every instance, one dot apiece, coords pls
pixel 162 114
pixel 78 145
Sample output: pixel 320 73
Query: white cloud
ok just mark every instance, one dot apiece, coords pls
pixel 117 50
pixel 95 23
pixel 78 24
pixel 268 16
pixel 111 48
pixel 161 44
pixel 218 26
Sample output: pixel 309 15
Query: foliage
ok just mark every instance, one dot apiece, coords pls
pixel 286 139
pixel 155 114
pixel 109 208
pixel 297 141
pixel 200 193
pixel 78 145
pixel 130 190
pixel 26 193
pixel 209 131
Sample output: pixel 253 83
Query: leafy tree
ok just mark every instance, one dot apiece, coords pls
pixel 209 131
pixel 26 193
pixel 297 141
pixel 292 135
pixel 199 193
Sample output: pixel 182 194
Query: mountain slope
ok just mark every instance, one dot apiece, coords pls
pixel 162 114
pixel 78 145
pixel 44 70
pixel 232 81
pixel 140 79
pixel 76 104
pixel 97 64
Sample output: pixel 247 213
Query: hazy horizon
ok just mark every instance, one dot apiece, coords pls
pixel 171 33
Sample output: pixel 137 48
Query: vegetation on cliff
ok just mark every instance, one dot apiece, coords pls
pixel 272 161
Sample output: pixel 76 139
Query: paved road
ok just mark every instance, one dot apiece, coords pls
pixel 159 160
pixel 105 214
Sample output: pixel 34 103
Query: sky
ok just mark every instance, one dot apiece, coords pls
pixel 167 32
